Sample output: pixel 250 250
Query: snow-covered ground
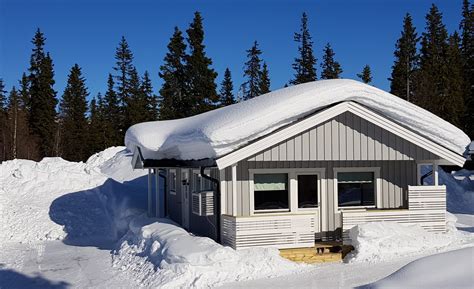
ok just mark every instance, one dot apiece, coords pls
pixel 158 253
pixel 82 225
pixel 457 272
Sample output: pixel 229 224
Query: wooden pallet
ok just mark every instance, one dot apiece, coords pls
pixel 320 253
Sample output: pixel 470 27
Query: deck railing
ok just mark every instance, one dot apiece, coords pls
pixel 426 207
pixel 280 231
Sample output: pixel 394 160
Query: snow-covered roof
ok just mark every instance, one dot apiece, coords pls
pixel 218 132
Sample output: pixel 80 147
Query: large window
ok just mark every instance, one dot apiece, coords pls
pixel 356 189
pixel 307 191
pixel 271 192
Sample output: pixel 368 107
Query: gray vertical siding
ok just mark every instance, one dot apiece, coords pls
pixel 345 137
pixel 395 178
pixel 344 141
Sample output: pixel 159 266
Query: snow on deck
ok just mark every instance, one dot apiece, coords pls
pixel 215 133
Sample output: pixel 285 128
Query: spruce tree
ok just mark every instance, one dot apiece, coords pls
pixel 136 106
pixel 13 117
pixel 149 97
pixel 97 139
pixel 200 76
pixel 366 74
pixel 467 49
pixel 3 98
pixel 252 72
pixel 101 122
pixel 432 80
pixel 43 97
pixel 123 68
pixel 331 69
pixel 23 143
pixel 111 109
pixel 174 102
pixel 3 122
pixel 406 61
pixel 264 85
pixel 227 87
pixel 73 109
pixel 25 97
pixel 452 106
pixel 304 64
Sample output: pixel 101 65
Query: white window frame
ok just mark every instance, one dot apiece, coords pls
pixel 252 172
pixel 292 189
pixel 320 175
pixel 201 179
pixel 377 187
pixel 173 171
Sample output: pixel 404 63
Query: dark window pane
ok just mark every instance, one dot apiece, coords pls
pixel 356 189
pixel 271 191
pixel 271 200
pixel 368 195
pixel 307 191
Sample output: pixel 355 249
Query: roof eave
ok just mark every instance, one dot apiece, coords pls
pixel 139 162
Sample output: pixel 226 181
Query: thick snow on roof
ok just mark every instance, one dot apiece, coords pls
pixel 218 132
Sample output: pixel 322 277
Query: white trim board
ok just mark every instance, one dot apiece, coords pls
pixel 377 187
pixel 293 173
pixel 329 113
pixel 223 192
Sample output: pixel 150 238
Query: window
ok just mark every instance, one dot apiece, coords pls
pixel 207 184
pixel 172 182
pixel 355 189
pixel 307 191
pixel 271 192
pixel 197 182
pixel 425 175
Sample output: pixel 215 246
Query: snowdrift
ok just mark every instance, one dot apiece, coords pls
pixel 381 241
pixel 215 133
pixel 446 270
pixel 54 198
pixel 157 252
pixel 460 191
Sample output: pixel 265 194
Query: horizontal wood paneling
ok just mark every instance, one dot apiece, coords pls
pixel 427 208
pixel 290 231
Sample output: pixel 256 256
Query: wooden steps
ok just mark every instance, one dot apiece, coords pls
pixel 320 253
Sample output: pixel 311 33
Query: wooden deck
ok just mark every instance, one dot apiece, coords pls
pixel 320 253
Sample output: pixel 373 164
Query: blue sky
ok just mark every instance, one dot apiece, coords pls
pixel 87 32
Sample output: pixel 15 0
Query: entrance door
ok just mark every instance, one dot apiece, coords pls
pixel 185 198
pixel 309 194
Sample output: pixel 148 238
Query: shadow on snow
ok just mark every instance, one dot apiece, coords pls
pixel 15 280
pixel 99 216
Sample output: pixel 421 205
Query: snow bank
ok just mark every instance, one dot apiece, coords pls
pixel 459 191
pixel 380 241
pixel 118 166
pixel 215 133
pixel 160 253
pixel 53 198
pixel 452 269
